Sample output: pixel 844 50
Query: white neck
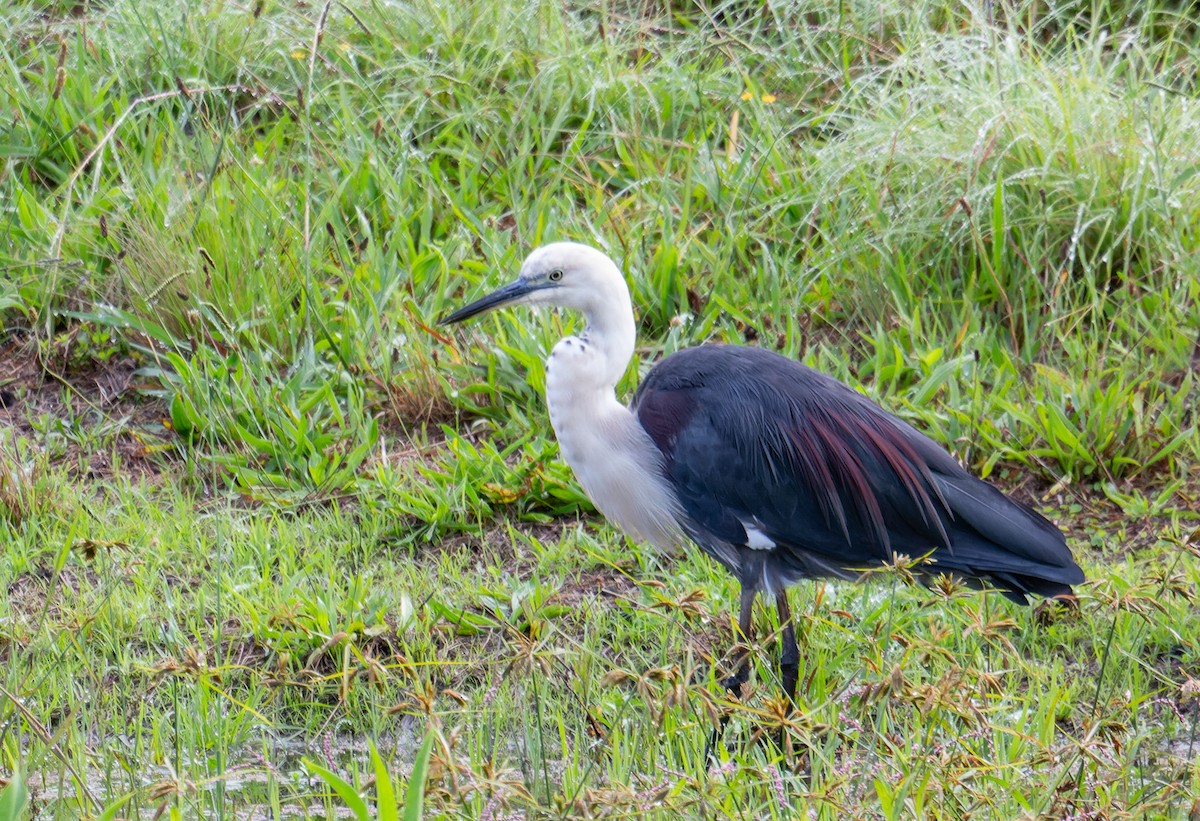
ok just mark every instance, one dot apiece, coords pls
pixel 610 335
pixel 613 457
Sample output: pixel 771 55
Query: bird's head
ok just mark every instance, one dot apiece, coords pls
pixel 566 274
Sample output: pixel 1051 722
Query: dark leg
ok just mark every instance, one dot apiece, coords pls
pixel 741 670
pixel 789 664
pixel 741 650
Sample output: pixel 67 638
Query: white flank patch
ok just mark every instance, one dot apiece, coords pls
pixel 756 539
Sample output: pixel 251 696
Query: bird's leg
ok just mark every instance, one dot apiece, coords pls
pixel 789 662
pixel 741 670
pixel 741 650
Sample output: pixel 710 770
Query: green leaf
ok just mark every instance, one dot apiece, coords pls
pixel 184 417
pixel 414 798
pixel 111 812
pixel 14 798
pixel 465 623
pixel 385 794
pixel 998 230
pixel 344 789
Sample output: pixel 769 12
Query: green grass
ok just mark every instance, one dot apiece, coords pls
pixel 274 543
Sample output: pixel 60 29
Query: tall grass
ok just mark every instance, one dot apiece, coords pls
pixel 320 181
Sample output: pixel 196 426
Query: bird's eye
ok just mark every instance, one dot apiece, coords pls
pixel 555 275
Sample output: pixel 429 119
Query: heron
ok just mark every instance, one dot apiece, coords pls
pixel 777 471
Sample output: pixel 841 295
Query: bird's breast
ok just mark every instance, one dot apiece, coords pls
pixel 614 459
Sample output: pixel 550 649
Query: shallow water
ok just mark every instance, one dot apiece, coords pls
pixel 257 778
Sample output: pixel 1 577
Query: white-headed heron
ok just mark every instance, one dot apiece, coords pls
pixel 777 471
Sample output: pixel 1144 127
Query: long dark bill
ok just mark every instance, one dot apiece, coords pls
pixel 496 299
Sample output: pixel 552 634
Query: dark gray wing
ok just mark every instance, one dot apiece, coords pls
pixel 752 439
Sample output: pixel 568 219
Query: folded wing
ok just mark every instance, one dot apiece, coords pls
pixel 777 464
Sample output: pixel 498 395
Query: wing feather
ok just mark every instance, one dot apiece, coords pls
pixel 835 481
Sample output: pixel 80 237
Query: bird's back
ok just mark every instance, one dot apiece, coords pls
pixel 785 473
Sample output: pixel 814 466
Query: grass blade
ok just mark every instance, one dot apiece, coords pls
pixel 344 789
pixel 385 792
pixel 14 798
pixel 414 799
